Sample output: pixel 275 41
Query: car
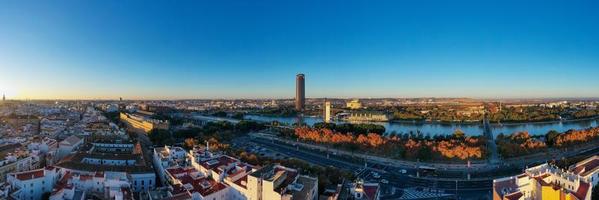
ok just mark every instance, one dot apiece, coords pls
pixel 403 171
pixel 384 181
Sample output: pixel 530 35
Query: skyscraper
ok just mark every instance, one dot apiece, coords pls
pixel 300 93
pixel 327 111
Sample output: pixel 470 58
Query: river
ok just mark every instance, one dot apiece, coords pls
pixel 534 128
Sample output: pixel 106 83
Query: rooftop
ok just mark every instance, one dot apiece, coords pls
pixel 28 175
pixel 586 167
pixel 71 140
pixel 307 184
pixel 189 181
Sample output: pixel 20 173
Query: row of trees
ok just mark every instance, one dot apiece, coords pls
pixel 220 131
pixel 526 114
pixel 573 137
pixel 518 144
pixel 411 148
pixel 521 143
pixel 351 128
pixel 507 114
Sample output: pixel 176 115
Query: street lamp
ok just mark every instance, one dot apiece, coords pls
pixel 456 189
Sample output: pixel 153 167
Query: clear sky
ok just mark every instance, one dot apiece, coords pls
pixel 253 49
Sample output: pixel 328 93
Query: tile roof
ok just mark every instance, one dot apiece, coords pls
pixel 582 191
pixel 203 185
pixel 34 174
pixel 371 190
pixel 586 168
pixel 514 196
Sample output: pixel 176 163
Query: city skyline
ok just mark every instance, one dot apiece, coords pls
pixel 208 50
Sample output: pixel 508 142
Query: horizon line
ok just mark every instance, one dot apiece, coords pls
pixel 292 98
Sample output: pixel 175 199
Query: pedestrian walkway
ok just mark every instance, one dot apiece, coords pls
pixel 412 193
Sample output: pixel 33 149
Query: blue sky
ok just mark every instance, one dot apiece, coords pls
pixel 253 49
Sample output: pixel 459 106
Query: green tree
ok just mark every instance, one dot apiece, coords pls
pixel 425 153
pixel 550 137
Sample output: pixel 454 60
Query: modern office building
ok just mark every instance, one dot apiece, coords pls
pixel 326 111
pixel 300 92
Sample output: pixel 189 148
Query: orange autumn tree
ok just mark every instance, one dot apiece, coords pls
pixel 576 136
pixel 459 148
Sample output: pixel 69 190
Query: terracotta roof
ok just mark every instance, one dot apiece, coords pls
pixel 370 190
pixel 242 179
pixel 586 168
pixel 508 185
pixel 180 196
pixel 582 191
pixel 514 196
pixel 214 164
pixel 203 185
pixel 30 175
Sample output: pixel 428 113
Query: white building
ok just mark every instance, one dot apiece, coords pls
pixel 278 182
pixel 365 191
pixel 221 177
pixel 68 145
pixel 588 169
pixel 74 186
pixel 165 157
pixel 327 111
pixel 545 181
pixel 32 184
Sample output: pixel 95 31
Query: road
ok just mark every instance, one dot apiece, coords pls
pixel 466 189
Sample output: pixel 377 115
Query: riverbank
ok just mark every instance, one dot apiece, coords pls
pixel 422 122
pixel 493 123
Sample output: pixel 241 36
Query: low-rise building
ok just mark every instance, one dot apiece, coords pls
pixel 279 182
pixel 32 184
pixel 368 116
pixel 165 157
pixel 143 123
pixel 14 159
pixel 220 177
pixel 68 145
pixel 548 181
pixel 365 191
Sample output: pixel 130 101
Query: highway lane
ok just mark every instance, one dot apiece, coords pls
pixel 393 174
